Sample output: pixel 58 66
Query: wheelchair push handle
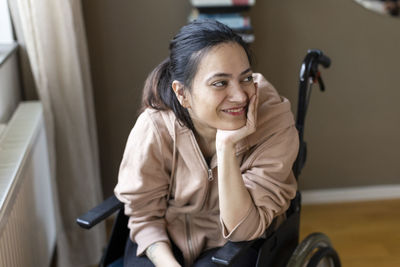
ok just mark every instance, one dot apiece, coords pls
pixel 320 57
pixel 309 67
pixel 309 74
pixel 317 57
pixel 324 61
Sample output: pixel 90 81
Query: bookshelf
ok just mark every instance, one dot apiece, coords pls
pixel 234 13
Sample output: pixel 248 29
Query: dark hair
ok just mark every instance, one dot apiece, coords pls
pixel 187 48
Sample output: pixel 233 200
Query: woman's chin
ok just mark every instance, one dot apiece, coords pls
pixel 232 126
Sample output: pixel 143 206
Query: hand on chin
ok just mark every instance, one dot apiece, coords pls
pixel 231 137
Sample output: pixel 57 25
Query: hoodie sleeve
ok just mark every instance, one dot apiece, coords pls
pixel 143 184
pixel 270 182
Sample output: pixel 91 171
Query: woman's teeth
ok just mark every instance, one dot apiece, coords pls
pixel 234 109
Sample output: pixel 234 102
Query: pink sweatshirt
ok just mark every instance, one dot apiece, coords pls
pixel 170 192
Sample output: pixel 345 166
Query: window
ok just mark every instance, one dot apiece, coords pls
pixel 9 79
pixel 6 35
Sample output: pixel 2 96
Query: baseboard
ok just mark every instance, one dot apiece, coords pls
pixel 336 195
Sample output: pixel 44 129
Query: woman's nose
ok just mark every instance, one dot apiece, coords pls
pixel 238 94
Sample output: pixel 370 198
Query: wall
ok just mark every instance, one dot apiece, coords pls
pixel 127 39
pixel 353 128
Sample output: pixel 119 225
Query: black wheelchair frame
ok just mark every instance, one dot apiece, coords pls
pixel 278 247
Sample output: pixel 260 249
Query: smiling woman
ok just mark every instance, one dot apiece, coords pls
pixel 209 158
pixel 221 90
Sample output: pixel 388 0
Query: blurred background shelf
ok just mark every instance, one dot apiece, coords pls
pixel 234 14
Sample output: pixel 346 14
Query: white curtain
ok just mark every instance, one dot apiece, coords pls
pixel 53 35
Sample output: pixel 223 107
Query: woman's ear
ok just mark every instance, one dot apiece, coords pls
pixel 179 91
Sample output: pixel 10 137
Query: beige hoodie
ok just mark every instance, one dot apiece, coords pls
pixel 170 192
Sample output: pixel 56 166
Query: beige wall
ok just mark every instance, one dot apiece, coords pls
pixel 127 39
pixel 352 129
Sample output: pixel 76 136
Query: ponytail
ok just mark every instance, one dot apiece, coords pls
pixel 158 76
pixel 158 94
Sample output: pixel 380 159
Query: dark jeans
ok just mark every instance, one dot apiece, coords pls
pixel 248 259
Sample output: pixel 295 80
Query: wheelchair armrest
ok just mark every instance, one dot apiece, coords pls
pixel 227 254
pixel 99 213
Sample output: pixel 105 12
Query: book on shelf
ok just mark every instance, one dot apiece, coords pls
pixel 215 3
pixel 235 21
pixel 240 24
pixel 229 12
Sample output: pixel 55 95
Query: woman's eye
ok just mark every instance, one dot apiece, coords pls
pixel 248 79
pixel 220 84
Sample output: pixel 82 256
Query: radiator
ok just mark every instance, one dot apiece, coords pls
pixel 27 221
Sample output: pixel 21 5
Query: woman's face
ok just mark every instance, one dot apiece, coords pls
pixel 221 89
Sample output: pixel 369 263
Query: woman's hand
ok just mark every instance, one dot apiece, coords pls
pixel 231 137
pixel 160 254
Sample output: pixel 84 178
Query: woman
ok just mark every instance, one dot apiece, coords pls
pixel 209 158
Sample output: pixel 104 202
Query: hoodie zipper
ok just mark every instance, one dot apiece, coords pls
pixel 210 175
pixel 206 167
pixel 209 170
pixel 189 238
pixel 210 178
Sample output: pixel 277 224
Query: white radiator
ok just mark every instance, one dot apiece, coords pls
pixel 27 221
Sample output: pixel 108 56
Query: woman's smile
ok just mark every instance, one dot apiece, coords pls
pixel 236 111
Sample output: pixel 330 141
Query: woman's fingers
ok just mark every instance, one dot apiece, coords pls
pixel 257 102
pixel 252 111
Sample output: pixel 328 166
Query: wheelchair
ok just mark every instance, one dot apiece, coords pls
pixel 278 247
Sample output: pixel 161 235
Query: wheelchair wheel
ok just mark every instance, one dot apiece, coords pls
pixel 315 250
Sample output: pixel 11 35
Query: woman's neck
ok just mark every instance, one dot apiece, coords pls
pixel 205 138
pixel 207 147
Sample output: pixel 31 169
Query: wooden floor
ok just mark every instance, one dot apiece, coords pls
pixel 364 234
